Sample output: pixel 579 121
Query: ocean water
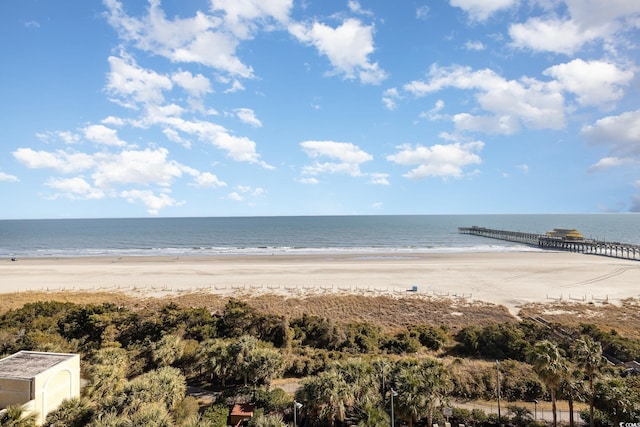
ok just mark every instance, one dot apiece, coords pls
pixel 392 234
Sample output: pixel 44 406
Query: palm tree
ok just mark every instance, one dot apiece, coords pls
pixel 548 362
pixel 326 396
pixel 166 351
pixel 589 358
pixel 217 360
pixel 16 416
pixel 264 365
pixel 420 385
pixel 74 412
pixel 240 352
pixel 107 373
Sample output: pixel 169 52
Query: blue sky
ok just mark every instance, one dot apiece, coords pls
pixel 288 107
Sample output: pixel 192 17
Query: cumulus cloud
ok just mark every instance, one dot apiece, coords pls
pixel 74 188
pixel 585 21
pixel 61 161
pixel 101 134
pixel 5 177
pixel 248 116
pixel 347 47
pixel 346 157
pixel 474 45
pixel 197 85
pixel 201 39
pixel 480 10
pixel 439 160
pixel 153 202
pixel 378 178
pixel 620 133
pixel 130 84
pixel 208 180
pixel 142 176
pixel 593 82
pixel 510 103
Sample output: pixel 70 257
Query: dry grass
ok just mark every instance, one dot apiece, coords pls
pixel 624 318
pixel 391 313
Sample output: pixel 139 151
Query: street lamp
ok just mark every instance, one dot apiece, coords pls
pixel 498 383
pixel 296 406
pixel 393 393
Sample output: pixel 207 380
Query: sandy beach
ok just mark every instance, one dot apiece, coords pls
pixel 509 278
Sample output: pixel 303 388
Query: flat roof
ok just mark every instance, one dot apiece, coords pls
pixel 28 364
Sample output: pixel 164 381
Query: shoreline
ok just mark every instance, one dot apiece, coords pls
pixel 510 279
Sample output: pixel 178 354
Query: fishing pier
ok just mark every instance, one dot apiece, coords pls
pixel 560 239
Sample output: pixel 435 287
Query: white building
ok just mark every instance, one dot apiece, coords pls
pixel 39 381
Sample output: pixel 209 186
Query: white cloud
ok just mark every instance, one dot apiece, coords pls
pixel 621 133
pixel 347 47
pixel 474 45
pixel 197 85
pixel 235 196
pixel 208 180
pixel 242 17
pixel 379 178
pixel 200 39
pixel 143 167
pixel 153 202
pixel 248 116
pixel 422 12
pixel 356 7
pixel 480 10
pixel 593 82
pixel 551 35
pixel 610 162
pixel 434 113
pixel 511 103
pixel 348 158
pixel 75 188
pixel 62 161
pixel 583 21
pixel 438 160
pixel 5 177
pixel 66 137
pixel 389 98
pixel 133 84
pixel 101 134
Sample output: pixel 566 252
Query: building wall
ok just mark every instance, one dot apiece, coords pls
pixel 54 385
pixel 14 391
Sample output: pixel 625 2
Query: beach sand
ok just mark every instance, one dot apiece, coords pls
pixel 510 278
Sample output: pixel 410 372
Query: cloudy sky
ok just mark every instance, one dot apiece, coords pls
pixel 316 107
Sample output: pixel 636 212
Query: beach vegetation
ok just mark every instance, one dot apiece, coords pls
pixel 138 358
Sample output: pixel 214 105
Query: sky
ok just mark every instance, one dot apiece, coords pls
pixel 318 107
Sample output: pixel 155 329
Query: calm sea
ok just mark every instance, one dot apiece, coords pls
pixel 273 235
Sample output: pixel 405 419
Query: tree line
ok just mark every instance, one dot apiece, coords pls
pixel 138 361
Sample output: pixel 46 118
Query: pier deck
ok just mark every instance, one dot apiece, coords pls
pixel 587 246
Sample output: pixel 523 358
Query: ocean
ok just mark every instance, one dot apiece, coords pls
pixel 388 234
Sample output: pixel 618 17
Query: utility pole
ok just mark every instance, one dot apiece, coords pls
pixel 393 393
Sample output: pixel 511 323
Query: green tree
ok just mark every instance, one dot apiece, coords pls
pixel 589 358
pixel 264 365
pixel 166 351
pixel 16 416
pixel 217 360
pixel 550 365
pixel 75 412
pixel 326 396
pixel 421 385
pixel 107 373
